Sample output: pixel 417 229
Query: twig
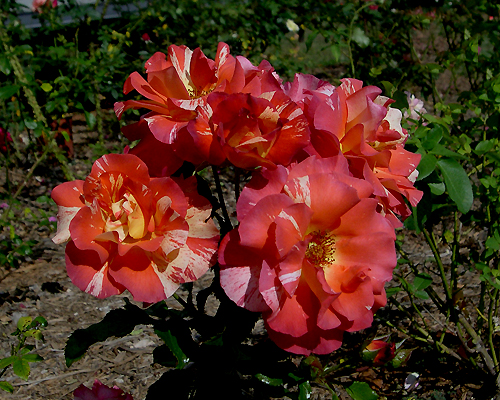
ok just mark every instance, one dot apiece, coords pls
pixel 51 378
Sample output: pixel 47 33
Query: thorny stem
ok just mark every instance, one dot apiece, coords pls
pixel 454 251
pixel 480 348
pixel 429 237
pixel 427 336
pixel 349 39
pixel 429 290
pixel 237 176
pixel 227 222
pixel 491 327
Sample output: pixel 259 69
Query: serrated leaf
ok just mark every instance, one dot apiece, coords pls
pixel 361 391
pixel 6 386
pixel 457 184
pixel 21 368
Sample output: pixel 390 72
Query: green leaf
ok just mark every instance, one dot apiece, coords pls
pixel 422 281
pixel 437 188
pixel 91 120
pixel 117 323
pixel 484 147
pixel 433 137
pixel 421 294
pixel 6 386
pixel 30 124
pixel 440 150
pixel 46 87
pixel 492 243
pixel 426 166
pixel 269 381
pixel 401 100
pixel 457 183
pixel 21 368
pixel 305 390
pixel 6 92
pixel 401 357
pixel 34 333
pixel 5 362
pixel 361 391
pixel 32 358
pixel 5 65
pixel 359 36
pixel 171 341
pixel 310 39
pixel 392 291
pixel 23 323
pixel 388 88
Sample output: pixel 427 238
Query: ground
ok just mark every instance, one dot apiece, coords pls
pixel 40 286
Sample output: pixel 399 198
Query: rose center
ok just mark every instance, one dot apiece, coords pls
pixel 195 93
pixel 126 218
pixel 321 249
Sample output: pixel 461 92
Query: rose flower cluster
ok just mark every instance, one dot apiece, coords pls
pixel 315 241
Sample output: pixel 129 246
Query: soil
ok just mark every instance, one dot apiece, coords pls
pixel 40 286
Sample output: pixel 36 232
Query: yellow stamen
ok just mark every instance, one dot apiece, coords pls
pixel 321 249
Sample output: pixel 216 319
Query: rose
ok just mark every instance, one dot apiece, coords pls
pixel 38 5
pixel 5 140
pixel 252 131
pixel 177 89
pixel 311 253
pixel 358 122
pixel 100 391
pixel 130 231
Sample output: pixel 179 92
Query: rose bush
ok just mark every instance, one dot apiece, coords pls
pixel 315 241
pixel 130 231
